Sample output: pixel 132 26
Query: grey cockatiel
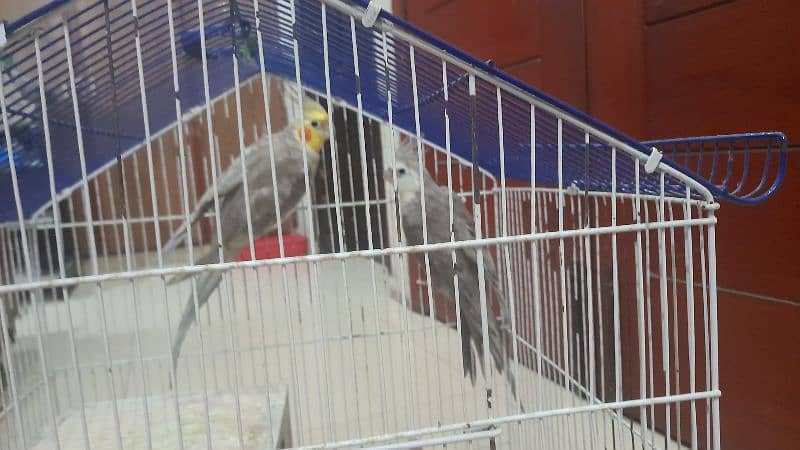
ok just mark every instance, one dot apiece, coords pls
pixel 441 262
pixel 290 180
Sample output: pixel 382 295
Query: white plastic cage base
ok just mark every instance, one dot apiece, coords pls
pixel 436 365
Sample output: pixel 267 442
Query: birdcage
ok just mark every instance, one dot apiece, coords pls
pixel 329 329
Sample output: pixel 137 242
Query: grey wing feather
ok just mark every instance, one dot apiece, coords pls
pixel 229 180
pixel 464 230
pixel 290 184
pixel 206 284
pixel 471 311
pixel 179 235
pixel 437 199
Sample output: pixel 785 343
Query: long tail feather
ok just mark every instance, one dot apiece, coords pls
pixel 467 361
pixel 496 341
pixel 208 258
pixel 473 334
pixel 206 284
pixel 179 235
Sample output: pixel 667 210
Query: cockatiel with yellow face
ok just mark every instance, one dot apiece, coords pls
pixel 290 181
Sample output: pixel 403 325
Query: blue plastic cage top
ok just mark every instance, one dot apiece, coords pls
pixel 102 40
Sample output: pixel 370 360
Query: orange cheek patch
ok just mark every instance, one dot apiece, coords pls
pixel 307 132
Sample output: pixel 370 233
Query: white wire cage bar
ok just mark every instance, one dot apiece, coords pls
pixel 350 344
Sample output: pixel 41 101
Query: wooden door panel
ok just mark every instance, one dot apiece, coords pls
pixel 723 70
pixel 662 10
pixel 505 31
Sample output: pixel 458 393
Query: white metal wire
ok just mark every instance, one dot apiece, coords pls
pixel 354 346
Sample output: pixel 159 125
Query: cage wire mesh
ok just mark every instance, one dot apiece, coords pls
pixel 121 118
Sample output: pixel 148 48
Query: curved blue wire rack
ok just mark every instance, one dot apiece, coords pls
pixel 744 168
pixel 108 96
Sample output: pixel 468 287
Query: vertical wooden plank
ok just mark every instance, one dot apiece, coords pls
pixel 723 69
pixel 616 95
pixel 563 50
pixel 615 58
pixel 726 69
pixel 662 10
pixel 504 31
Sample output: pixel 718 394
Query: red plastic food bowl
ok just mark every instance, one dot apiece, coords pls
pixel 267 247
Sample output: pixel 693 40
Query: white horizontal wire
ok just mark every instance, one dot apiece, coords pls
pixel 516 418
pixel 445 440
pixel 339 256
pixel 45 223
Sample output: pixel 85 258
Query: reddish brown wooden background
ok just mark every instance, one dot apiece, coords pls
pixel 658 68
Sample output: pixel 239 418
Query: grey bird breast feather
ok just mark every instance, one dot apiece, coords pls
pixel 288 157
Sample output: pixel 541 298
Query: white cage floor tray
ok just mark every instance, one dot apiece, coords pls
pixel 223 422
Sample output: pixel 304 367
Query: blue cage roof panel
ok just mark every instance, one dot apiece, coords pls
pixel 110 105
